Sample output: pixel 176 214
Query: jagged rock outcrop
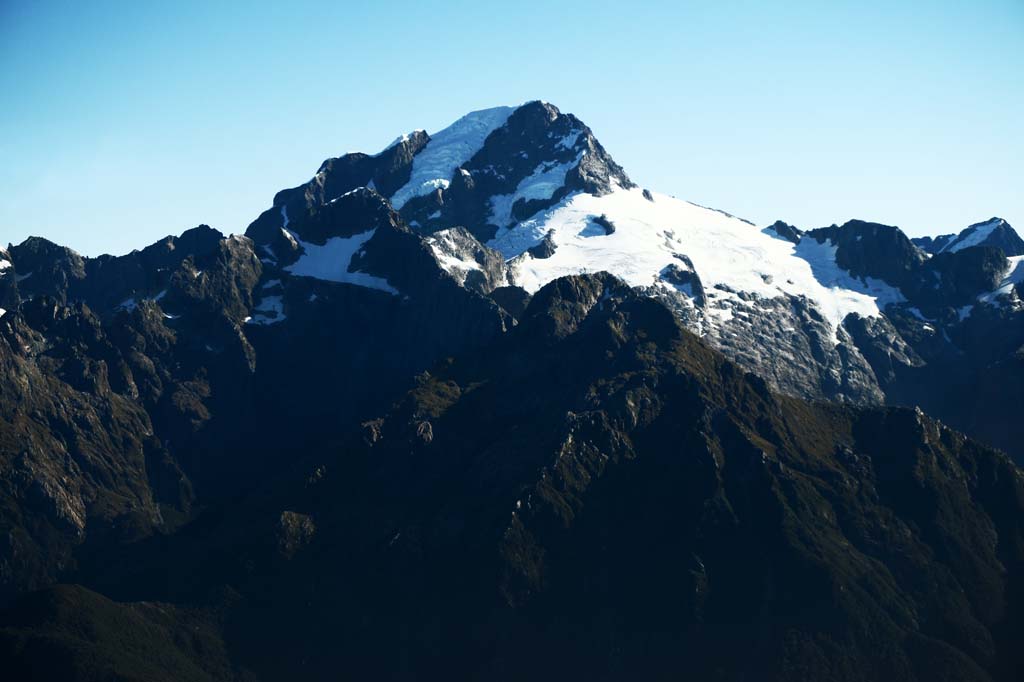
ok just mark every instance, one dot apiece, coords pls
pixel 785 231
pixel 873 250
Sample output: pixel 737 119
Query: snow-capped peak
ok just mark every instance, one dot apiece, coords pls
pixel 974 235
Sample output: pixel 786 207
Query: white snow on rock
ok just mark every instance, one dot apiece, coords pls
pixel 977 236
pixel 4 264
pixel 269 311
pixel 728 254
pixel 546 179
pixel 2 312
pixel 432 168
pixel 131 303
pixel 399 140
pixel 1014 275
pixel 569 141
pixel 445 249
pixel 331 261
pixel 847 294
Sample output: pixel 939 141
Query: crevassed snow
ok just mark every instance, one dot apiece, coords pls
pixel 1014 275
pixel 725 251
pixel 545 180
pixel 980 234
pixel 331 261
pixel 447 150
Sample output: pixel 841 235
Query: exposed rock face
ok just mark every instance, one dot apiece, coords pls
pixel 512 299
pixel 785 231
pixel 47 268
pixel 545 249
pixel 953 279
pixel 933 245
pixel 474 265
pixel 44 268
pixel 685 279
pixel 873 250
pixel 386 172
pixel 77 452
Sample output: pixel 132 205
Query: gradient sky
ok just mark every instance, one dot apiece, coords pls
pixel 124 122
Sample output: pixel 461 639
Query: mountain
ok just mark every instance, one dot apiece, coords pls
pixel 855 313
pixel 479 406
pixel 994 232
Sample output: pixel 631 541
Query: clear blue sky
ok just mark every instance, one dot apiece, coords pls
pixel 124 122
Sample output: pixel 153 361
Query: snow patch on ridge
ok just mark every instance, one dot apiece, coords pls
pixel 1014 275
pixel 269 311
pixel 569 141
pixel 432 168
pixel 977 236
pixel 331 262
